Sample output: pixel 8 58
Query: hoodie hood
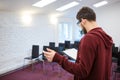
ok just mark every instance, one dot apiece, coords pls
pixel 102 35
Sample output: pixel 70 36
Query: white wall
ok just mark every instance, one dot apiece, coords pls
pixel 109 19
pixel 16 38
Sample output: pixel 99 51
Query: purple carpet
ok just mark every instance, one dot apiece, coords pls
pixel 48 71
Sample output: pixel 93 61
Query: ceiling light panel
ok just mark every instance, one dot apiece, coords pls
pixel 67 6
pixel 99 4
pixel 43 3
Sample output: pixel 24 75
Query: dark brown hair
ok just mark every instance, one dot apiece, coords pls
pixel 86 13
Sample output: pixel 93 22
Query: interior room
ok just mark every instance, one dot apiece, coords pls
pixel 26 24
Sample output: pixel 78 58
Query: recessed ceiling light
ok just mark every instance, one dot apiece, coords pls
pixel 43 3
pixel 99 4
pixel 67 6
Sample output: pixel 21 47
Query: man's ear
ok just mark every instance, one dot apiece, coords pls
pixel 83 21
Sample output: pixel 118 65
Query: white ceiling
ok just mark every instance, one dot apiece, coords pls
pixel 21 5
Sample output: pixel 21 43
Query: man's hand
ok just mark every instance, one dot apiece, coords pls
pixel 49 54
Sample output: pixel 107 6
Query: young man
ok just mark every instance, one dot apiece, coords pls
pixel 94 52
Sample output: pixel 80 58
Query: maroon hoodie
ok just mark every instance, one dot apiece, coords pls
pixel 93 59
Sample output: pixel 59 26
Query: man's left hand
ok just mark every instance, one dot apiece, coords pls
pixel 49 54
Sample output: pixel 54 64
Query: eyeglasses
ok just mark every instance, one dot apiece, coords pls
pixel 79 22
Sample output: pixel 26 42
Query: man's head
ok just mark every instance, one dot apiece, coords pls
pixel 85 14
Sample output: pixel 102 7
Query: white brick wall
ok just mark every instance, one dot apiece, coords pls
pixel 16 39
